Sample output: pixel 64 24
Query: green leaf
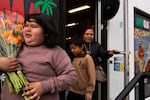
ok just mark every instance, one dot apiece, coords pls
pixel 52 4
pixel 47 11
pixel 37 4
pixel 43 9
pixel 50 10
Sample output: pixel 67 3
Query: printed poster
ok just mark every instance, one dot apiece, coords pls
pixel 119 63
pixel 141 43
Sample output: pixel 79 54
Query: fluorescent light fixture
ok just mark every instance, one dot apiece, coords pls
pixel 71 24
pixel 79 9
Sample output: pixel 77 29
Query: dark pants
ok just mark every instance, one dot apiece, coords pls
pixel 74 96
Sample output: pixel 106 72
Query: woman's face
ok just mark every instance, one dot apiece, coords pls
pixel 88 36
pixel 33 33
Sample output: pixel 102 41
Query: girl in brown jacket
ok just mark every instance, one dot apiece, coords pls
pixel 84 65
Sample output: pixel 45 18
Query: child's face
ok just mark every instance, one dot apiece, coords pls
pixel 76 50
pixel 33 33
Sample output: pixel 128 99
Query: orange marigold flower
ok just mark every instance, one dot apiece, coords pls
pixel 6 21
pixel 17 29
pixel 19 38
pixel 19 22
pixel 6 34
pixel 20 25
pixel 12 40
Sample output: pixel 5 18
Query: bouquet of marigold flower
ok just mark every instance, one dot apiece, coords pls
pixel 10 43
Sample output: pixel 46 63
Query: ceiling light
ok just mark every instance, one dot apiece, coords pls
pixel 79 9
pixel 71 24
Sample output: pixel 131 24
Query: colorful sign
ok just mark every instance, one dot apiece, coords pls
pixel 17 9
pixel 141 42
pixel 119 63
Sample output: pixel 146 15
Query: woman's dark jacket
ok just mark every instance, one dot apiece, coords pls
pixel 97 52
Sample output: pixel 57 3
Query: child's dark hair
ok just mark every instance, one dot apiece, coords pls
pixel 76 40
